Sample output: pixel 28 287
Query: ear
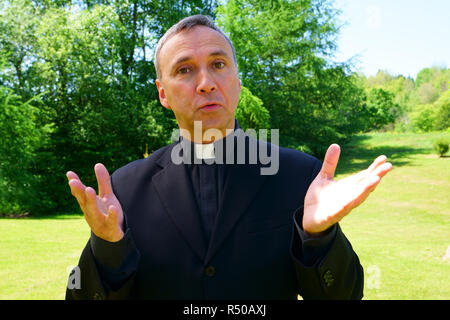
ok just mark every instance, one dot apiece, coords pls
pixel 162 94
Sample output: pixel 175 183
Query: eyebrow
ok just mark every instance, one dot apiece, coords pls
pixel 187 58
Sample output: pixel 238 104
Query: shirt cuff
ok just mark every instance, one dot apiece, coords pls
pixel 313 249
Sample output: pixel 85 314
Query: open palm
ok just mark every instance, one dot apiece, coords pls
pixel 102 212
pixel 327 201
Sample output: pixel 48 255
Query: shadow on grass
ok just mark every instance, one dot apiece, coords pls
pixel 356 157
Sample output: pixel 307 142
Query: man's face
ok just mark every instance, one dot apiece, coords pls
pixel 199 80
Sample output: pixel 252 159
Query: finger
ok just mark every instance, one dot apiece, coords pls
pixel 92 211
pixel 76 186
pixel 103 180
pixel 330 161
pixel 372 169
pixel 77 189
pixel 72 175
pixel 381 170
pixel 377 162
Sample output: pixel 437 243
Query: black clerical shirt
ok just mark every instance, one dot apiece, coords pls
pixel 208 175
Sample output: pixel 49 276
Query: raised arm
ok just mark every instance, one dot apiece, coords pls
pixel 109 260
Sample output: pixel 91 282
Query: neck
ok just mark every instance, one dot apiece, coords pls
pixel 200 135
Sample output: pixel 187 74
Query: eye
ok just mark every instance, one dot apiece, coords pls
pixel 184 70
pixel 219 64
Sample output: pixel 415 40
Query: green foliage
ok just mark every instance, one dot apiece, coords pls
pixel 402 88
pixel 20 139
pixel 282 49
pixel 423 118
pixel 441 146
pixel 250 113
pixel 90 65
pixel 438 77
pixel 442 107
pixel 423 105
pixel 77 86
pixel 434 116
pixel 381 108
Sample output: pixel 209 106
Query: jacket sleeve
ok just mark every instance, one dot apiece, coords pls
pixel 326 267
pixel 106 270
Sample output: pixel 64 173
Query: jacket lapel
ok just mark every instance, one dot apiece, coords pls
pixel 174 188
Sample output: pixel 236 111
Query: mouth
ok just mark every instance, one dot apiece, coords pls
pixel 210 106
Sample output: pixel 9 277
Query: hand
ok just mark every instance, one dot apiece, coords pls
pixel 103 213
pixel 328 201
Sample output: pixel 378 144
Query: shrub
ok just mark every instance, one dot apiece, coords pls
pixel 441 146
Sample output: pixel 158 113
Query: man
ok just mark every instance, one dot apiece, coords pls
pixel 196 230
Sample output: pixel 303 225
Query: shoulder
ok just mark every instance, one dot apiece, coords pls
pixel 284 161
pixel 142 167
pixel 292 166
pixel 291 156
pixel 297 163
pixel 287 155
pixel 291 159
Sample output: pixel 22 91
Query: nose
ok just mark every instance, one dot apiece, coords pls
pixel 206 83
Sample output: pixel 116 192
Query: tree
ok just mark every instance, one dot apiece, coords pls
pixel 21 136
pixel 380 80
pixel 91 64
pixel 250 113
pixel 18 20
pixel 282 49
pixel 431 83
pixel 381 108
pixel 442 107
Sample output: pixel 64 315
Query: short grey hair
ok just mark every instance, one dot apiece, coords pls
pixel 185 25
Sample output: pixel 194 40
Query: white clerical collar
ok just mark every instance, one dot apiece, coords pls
pixel 204 151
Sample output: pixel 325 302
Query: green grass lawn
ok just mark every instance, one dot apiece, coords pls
pixel 400 233
pixel 36 255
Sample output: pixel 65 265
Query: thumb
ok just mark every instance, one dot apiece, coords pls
pixel 330 161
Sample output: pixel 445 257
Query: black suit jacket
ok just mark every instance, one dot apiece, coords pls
pixel 257 248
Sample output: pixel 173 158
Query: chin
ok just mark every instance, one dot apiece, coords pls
pixel 216 123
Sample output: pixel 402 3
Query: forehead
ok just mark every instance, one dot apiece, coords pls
pixel 195 42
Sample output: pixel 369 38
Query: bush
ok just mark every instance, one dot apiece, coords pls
pixel 441 146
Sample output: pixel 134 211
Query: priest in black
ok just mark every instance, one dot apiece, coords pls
pixel 210 226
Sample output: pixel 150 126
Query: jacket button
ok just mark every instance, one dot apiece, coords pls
pixel 97 296
pixel 210 271
pixel 328 278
